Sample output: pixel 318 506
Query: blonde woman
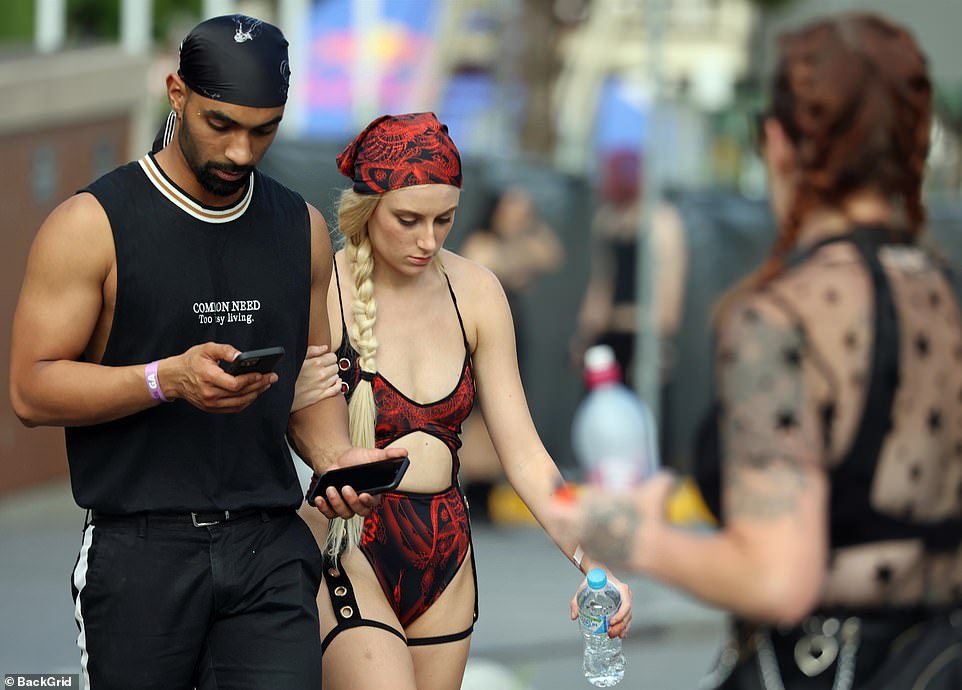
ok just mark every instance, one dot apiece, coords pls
pixel 424 333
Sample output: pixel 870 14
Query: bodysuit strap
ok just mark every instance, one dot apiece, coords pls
pixel 340 304
pixel 454 298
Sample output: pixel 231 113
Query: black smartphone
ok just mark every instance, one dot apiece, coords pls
pixel 254 361
pixel 369 478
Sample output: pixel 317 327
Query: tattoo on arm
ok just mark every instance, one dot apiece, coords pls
pixel 610 531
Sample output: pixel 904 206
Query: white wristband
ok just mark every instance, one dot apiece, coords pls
pixel 578 555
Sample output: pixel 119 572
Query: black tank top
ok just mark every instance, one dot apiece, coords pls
pixel 187 274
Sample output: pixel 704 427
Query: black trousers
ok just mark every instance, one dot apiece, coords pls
pixel 173 606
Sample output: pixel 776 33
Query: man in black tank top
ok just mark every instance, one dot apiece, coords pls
pixel 194 569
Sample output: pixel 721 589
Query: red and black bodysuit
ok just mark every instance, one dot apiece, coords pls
pixel 415 542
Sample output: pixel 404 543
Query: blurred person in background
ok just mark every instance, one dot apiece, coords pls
pixel 609 306
pixel 423 334
pixel 515 244
pixel 834 454
pixel 195 571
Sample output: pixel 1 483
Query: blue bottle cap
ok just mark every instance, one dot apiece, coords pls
pixel 597 578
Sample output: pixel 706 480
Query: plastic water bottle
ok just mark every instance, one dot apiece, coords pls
pixel 604 663
pixel 613 431
pixel 616 443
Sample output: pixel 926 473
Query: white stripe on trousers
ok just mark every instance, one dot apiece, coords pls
pixel 79 581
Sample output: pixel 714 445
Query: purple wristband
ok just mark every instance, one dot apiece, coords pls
pixel 153 383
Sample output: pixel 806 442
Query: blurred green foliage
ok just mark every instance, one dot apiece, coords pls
pixel 948 103
pixel 93 20
pixel 100 19
pixel 89 20
pixel 17 24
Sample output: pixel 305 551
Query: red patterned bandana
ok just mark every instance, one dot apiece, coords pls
pixel 398 151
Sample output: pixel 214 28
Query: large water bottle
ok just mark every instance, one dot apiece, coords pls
pixel 604 662
pixel 613 431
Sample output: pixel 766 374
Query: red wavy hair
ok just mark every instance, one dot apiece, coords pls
pixel 853 95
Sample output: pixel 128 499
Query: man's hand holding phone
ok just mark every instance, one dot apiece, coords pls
pixel 334 497
pixel 253 361
pixel 198 376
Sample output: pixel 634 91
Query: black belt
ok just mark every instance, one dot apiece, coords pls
pixel 202 519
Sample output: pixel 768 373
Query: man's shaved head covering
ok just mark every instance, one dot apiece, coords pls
pixel 236 59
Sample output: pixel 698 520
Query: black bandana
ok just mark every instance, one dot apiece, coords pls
pixel 236 59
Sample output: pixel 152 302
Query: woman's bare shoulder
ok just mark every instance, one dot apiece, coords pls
pixel 469 276
pixel 480 296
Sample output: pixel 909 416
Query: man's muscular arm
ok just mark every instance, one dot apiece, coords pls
pixel 319 432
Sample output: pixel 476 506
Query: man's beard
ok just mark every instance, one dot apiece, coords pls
pixel 204 170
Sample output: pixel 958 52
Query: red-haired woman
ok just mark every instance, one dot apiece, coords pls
pixel 836 440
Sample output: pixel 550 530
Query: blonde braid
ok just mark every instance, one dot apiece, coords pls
pixel 361 261
pixel 353 213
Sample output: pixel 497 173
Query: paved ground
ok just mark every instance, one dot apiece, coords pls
pixel 523 640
